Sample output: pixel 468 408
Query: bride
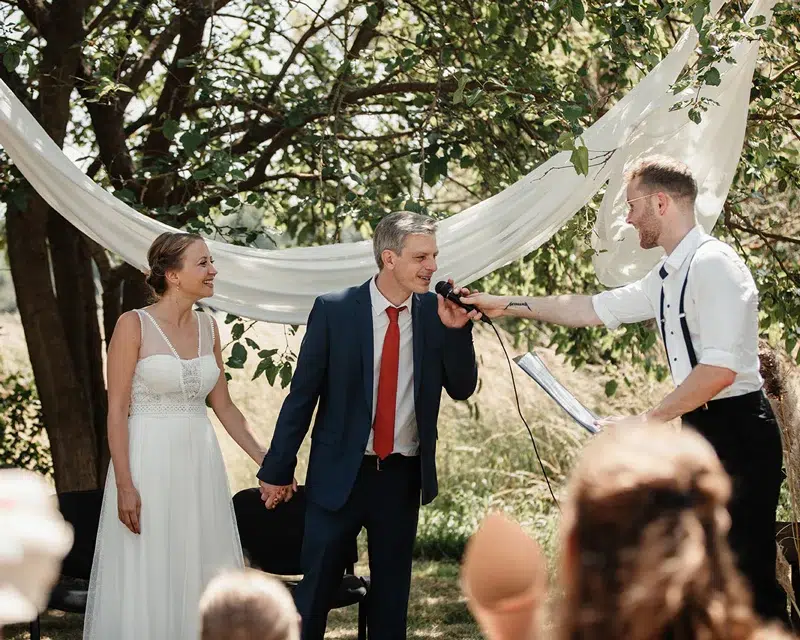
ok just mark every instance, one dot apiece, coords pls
pixel 167 525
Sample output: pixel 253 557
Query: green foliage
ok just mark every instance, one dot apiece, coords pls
pixel 22 439
pixel 321 125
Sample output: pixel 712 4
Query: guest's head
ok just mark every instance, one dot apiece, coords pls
pixel 34 539
pixel 645 548
pixel 248 605
pixel 661 193
pixel 405 250
pixel 180 264
pixel 504 579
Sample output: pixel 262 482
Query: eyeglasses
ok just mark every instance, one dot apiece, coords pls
pixel 649 195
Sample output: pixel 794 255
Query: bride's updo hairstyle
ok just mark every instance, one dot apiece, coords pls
pixel 166 254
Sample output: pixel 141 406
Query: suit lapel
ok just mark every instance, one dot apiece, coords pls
pixel 365 331
pixel 416 325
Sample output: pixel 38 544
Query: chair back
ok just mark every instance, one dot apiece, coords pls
pixel 272 539
pixel 82 510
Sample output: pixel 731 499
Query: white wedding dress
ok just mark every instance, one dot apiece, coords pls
pixel 148 586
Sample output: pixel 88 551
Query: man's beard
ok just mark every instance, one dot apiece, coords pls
pixel 649 231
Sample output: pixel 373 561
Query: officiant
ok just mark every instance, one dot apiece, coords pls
pixel 706 304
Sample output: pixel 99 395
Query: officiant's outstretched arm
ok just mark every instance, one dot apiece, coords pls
pixel 373 362
pixel 706 304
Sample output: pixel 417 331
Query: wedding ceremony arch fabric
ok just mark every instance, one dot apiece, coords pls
pixel 280 285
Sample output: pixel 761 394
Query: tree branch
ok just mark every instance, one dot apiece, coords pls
pixel 144 64
pixel 448 86
pixel 109 128
pixel 788 69
pixel 37 13
pixel 366 32
pixel 762 234
pixel 177 88
pixel 104 12
pixel 314 28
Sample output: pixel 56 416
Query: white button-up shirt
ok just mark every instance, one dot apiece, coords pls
pixel 406 436
pixel 721 306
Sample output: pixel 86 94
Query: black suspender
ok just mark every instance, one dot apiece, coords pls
pixel 687 338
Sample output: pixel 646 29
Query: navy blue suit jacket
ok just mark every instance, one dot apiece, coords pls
pixel 335 369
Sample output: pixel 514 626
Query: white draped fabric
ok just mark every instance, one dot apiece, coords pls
pixel 280 285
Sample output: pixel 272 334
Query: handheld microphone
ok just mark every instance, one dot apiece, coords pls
pixel 445 289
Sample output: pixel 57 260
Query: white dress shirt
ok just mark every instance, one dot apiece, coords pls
pixel 406 436
pixel 721 306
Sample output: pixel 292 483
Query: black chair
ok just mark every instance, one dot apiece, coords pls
pixel 82 510
pixel 273 538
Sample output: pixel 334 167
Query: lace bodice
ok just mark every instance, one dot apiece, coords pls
pixel 163 382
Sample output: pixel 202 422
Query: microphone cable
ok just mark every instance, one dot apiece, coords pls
pixel 445 289
pixel 519 410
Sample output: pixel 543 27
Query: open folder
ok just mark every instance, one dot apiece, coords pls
pixel 532 364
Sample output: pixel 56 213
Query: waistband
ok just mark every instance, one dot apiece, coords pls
pixel 392 461
pixel 744 401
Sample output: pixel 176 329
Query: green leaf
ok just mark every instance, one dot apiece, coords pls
pixel 170 129
pixel 237 331
pixel 473 97
pixel 578 11
pixel 261 368
pixel 191 140
pixel 252 344
pixel 712 77
pixel 10 60
pixel 611 387
pixel 698 14
pixel 271 371
pixel 566 141
pixel 572 112
pixel 230 318
pixel 286 375
pixel 580 160
pixel 238 356
pixel 458 94
pixel 267 353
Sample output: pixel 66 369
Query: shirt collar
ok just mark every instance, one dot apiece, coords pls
pixel 685 248
pixel 380 303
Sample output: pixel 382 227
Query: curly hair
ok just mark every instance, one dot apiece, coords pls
pixel 166 254
pixel 646 527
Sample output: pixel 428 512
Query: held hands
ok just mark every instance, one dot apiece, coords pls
pixel 272 495
pixel 129 507
pixel 453 316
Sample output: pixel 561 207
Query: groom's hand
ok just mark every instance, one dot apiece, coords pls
pixel 272 495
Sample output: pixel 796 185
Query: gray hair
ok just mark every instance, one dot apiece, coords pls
pixel 391 232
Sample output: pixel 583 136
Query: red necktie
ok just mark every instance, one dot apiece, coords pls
pixel 383 440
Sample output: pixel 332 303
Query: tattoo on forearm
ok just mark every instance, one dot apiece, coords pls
pixel 518 304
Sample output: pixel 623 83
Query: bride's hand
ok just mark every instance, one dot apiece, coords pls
pixel 129 507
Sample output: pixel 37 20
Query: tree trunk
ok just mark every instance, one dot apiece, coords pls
pixel 77 303
pixel 67 413
pixel 64 388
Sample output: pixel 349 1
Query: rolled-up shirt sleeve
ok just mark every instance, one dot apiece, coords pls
pixel 726 300
pixel 624 305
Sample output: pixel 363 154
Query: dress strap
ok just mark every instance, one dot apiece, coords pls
pixel 163 335
pixel 141 327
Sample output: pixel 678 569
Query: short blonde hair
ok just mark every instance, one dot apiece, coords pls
pixel 248 605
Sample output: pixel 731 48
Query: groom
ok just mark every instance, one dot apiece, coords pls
pixel 373 361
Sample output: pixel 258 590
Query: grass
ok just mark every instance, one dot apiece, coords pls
pixel 436 610
pixel 484 457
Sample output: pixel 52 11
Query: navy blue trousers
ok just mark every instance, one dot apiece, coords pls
pixel 386 502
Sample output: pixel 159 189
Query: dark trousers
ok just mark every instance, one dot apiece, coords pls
pixel 746 437
pixel 385 500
